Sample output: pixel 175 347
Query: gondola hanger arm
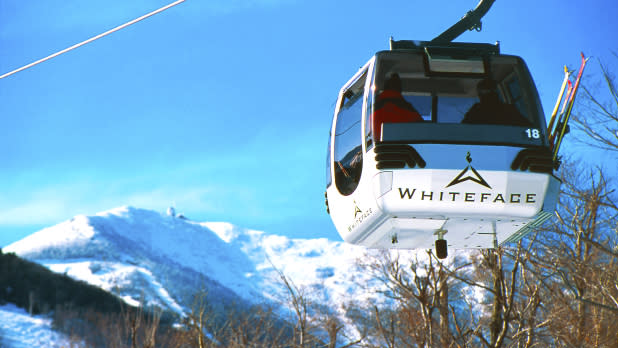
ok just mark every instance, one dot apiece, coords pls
pixel 470 21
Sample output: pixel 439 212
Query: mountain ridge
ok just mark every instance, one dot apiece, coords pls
pixel 126 250
pixel 125 245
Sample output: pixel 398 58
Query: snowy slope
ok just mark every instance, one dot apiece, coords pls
pixel 20 330
pixel 135 252
pixel 324 269
pixel 165 260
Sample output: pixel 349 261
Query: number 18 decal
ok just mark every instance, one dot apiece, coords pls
pixel 533 133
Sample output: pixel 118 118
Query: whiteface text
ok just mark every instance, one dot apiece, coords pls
pixel 471 197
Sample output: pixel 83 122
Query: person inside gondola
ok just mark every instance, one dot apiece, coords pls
pixel 391 107
pixel 491 110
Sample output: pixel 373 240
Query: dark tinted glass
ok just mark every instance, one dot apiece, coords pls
pixel 347 157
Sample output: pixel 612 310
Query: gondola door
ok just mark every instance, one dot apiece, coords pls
pixel 349 190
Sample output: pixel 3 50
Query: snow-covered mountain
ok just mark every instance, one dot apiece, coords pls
pixel 165 260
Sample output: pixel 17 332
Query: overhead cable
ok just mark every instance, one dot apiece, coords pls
pixel 92 39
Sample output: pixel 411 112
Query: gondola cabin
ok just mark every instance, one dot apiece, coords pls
pixel 443 144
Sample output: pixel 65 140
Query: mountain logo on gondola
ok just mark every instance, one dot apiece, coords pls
pixel 474 176
pixel 356 210
pixel 359 216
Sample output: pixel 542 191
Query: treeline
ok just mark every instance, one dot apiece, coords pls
pixel 39 290
pixel 88 314
pixel 92 317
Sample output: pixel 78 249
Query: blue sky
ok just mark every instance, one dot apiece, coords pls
pixel 221 107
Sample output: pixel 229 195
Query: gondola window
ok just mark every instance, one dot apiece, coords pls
pixel 348 157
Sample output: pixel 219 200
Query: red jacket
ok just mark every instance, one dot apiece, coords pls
pixel 391 107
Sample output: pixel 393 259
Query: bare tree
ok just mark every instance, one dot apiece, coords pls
pixel 421 316
pixel 597 112
pixel 527 321
pixel 203 330
pixel 575 260
pixel 569 270
pixel 300 305
pixel 141 327
pixel 505 284
pixel 329 322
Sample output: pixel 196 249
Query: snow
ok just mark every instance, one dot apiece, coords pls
pixel 124 243
pixel 115 248
pixel 75 231
pixel 158 258
pixel 184 242
pixel 110 276
pixel 20 330
pixel 126 246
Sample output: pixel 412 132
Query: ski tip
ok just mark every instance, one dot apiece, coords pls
pixel 584 59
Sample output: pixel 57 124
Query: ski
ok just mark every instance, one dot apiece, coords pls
pixel 562 125
pixel 560 117
pixel 567 74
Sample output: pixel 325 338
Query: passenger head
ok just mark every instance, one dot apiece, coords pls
pixel 393 83
pixel 487 90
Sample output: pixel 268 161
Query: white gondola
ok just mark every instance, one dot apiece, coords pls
pixel 419 184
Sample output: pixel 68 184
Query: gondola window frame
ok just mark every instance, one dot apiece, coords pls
pixel 347 158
